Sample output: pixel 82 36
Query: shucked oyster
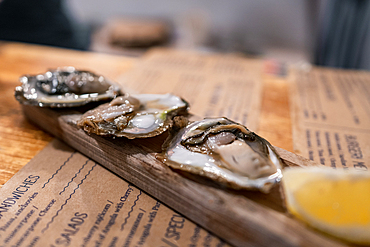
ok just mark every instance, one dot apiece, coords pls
pixel 64 87
pixel 136 116
pixel 227 152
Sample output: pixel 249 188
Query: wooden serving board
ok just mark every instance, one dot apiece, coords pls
pixel 242 218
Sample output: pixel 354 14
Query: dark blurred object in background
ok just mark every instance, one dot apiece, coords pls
pixel 344 36
pixel 40 22
pixel 138 33
pixel 130 36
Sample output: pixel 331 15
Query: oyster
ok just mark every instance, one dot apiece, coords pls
pixel 136 116
pixel 64 87
pixel 226 152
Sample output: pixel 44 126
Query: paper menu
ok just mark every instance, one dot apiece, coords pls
pixel 214 85
pixel 62 198
pixel 331 116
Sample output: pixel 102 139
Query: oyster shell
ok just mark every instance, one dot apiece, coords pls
pixel 65 87
pixel 136 116
pixel 226 152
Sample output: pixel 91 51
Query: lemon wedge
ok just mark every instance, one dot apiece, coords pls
pixel 333 201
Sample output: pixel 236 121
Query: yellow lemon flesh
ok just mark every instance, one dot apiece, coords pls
pixel 334 201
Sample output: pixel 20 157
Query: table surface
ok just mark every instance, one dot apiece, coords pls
pixel 20 140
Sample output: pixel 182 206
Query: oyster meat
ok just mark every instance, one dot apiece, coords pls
pixel 134 116
pixel 65 87
pixel 227 152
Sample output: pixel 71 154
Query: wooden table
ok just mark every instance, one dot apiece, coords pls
pixel 20 141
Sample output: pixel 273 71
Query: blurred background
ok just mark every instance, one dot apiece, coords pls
pixel 332 33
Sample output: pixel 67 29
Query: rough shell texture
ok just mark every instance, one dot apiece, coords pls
pixel 225 152
pixel 64 87
pixel 136 116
